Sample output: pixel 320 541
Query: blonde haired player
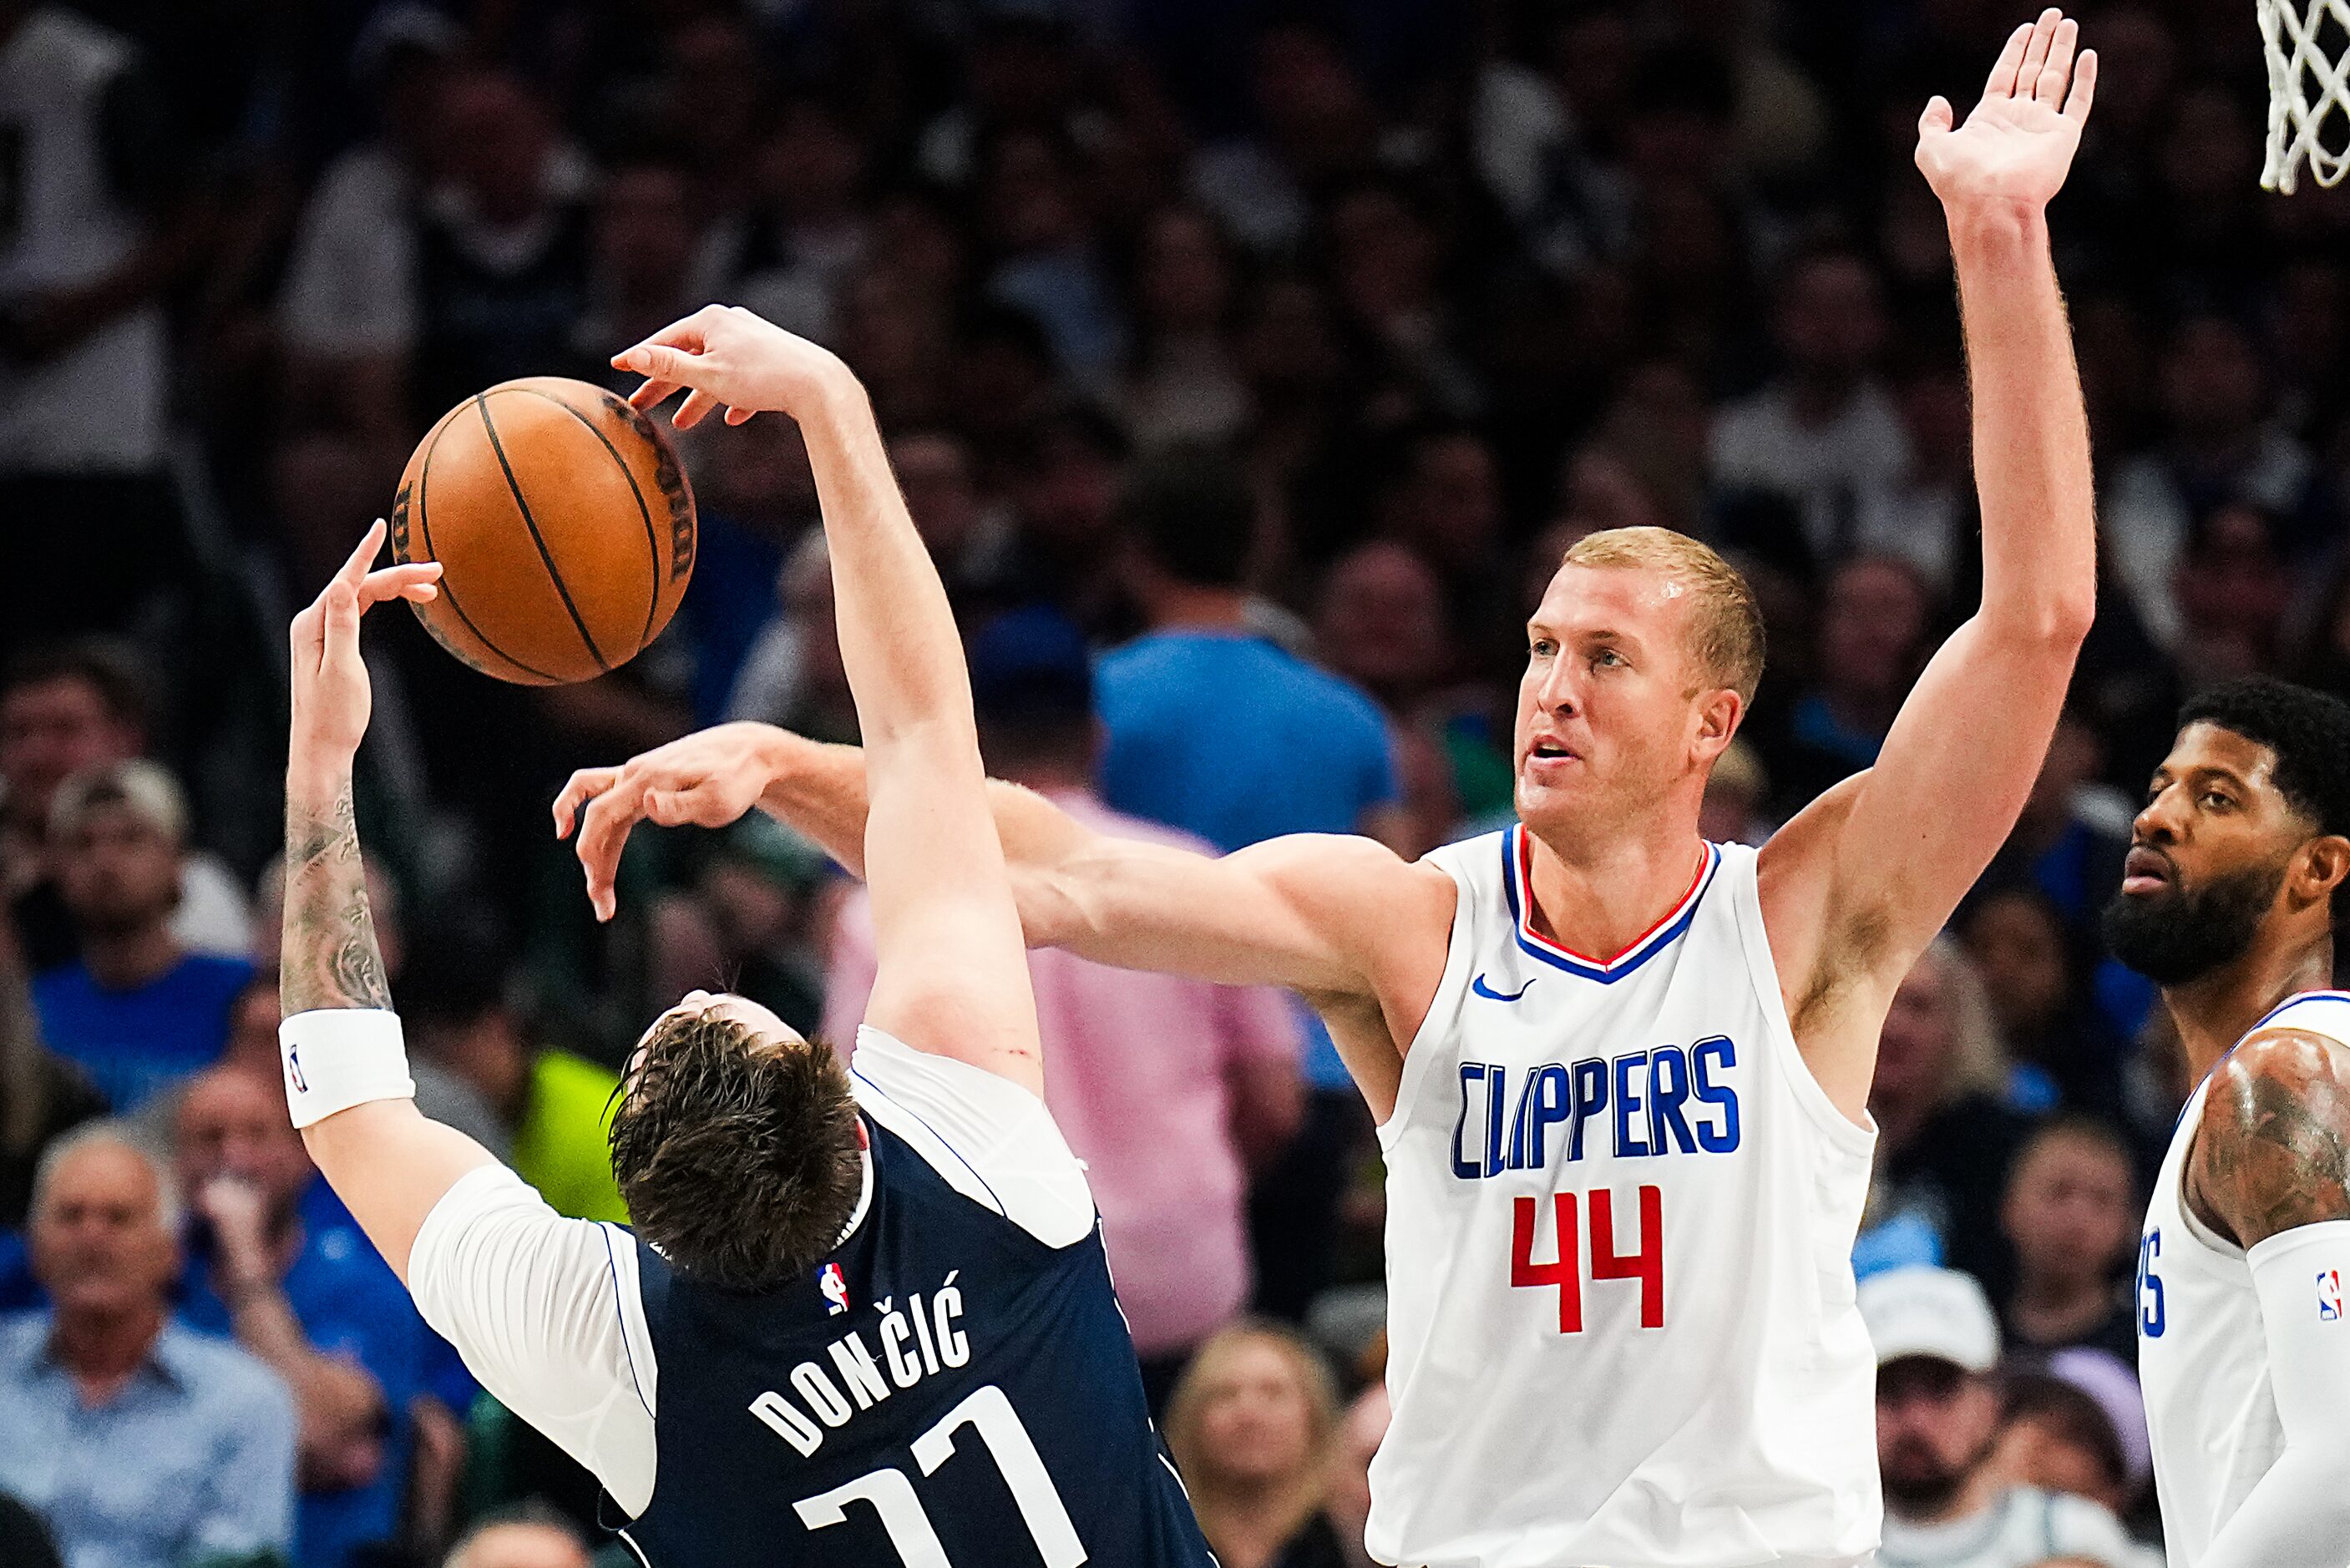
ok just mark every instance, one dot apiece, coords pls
pixel 1620 1073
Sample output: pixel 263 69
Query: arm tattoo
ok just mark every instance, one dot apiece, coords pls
pixel 329 957
pixel 2273 1152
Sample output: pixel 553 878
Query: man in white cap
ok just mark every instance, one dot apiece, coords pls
pixel 1938 1411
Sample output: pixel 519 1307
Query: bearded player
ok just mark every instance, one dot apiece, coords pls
pixel 2228 902
pixel 1620 1073
pixel 860 1323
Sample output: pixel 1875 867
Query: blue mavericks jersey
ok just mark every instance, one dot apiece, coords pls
pixel 945 1391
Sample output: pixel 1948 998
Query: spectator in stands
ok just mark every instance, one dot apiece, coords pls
pixel 499 249
pixel 812 229
pixel 1203 720
pixel 639 262
pixel 101 225
pixel 1172 1091
pixel 756 502
pixel 791 674
pixel 2234 595
pixel 461 1014
pixel 1824 434
pixel 66 709
pixel 1046 266
pixel 2058 1437
pixel 525 1537
pixel 346 309
pixel 137 1012
pixel 316 1304
pixel 1876 628
pixel 1182 383
pixel 42 1096
pixel 2071 1213
pixel 1382 624
pixel 2062 1048
pixel 2072 834
pixel 1445 502
pixel 142 1443
pixel 1254 1427
pixel 1203 724
pixel 2221 445
pixel 969 533
pixel 1938 1411
pixel 1946 1133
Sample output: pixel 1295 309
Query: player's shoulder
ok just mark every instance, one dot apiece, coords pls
pixel 2273 1145
pixel 2301 1045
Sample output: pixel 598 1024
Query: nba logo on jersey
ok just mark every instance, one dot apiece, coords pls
pixel 2329 1297
pixel 835 1288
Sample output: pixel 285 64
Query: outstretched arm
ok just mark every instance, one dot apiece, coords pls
pixel 952 971
pixel 1871 872
pixel 1310 912
pixel 2270 1167
pixel 387 1163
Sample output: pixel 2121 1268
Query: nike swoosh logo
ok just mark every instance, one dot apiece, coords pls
pixel 1490 994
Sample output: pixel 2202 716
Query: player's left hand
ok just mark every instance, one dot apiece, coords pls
pixel 331 699
pixel 2017 146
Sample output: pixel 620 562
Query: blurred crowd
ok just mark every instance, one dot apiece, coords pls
pixel 1247 366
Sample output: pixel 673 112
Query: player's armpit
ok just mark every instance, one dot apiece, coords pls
pixel 2273 1151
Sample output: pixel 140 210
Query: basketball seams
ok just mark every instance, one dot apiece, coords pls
pixel 448 590
pixel 653 535
pixel 546 557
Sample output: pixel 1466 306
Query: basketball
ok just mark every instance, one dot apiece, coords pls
pixel 564 528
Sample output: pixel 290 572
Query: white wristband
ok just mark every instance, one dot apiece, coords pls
pixel 339 1057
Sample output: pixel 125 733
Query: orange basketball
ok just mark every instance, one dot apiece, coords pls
pixel 563 525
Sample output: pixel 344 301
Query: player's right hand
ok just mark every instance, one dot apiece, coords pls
pixel 709 779
pixel 725 356
pixel 330 697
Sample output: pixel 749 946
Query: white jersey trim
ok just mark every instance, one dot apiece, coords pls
pixel 1763 971
pixel 1460 957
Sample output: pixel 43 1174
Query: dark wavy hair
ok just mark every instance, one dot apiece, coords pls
pixel 740 1163
pixel 2308 730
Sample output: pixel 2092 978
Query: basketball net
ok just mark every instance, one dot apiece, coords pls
pixel 2298 54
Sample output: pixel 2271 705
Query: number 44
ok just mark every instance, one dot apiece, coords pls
pixel 1565 1270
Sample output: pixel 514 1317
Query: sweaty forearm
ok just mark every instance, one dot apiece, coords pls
pixel 2031 427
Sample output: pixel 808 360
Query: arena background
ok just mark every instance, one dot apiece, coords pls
pixel 1431 289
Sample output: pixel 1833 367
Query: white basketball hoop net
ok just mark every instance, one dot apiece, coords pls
pixel 2308 45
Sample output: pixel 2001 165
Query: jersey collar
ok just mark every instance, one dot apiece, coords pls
pixel 1517 875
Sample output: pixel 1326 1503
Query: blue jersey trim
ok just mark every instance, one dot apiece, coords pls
pixel 1624 963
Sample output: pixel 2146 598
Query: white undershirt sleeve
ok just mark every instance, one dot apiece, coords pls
pixel 2299 1515
pixel 992 1140
pixel 545 1314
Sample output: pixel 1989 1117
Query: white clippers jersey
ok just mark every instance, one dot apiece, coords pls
pixel 2202 1348
pixel 1620 1219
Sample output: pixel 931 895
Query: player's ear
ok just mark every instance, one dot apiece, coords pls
pixel 2325 865
pixel 1718 713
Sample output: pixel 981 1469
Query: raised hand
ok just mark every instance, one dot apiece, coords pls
pixel 2017 146
pixel 724 356
pixel 331 700
pixel 708 779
